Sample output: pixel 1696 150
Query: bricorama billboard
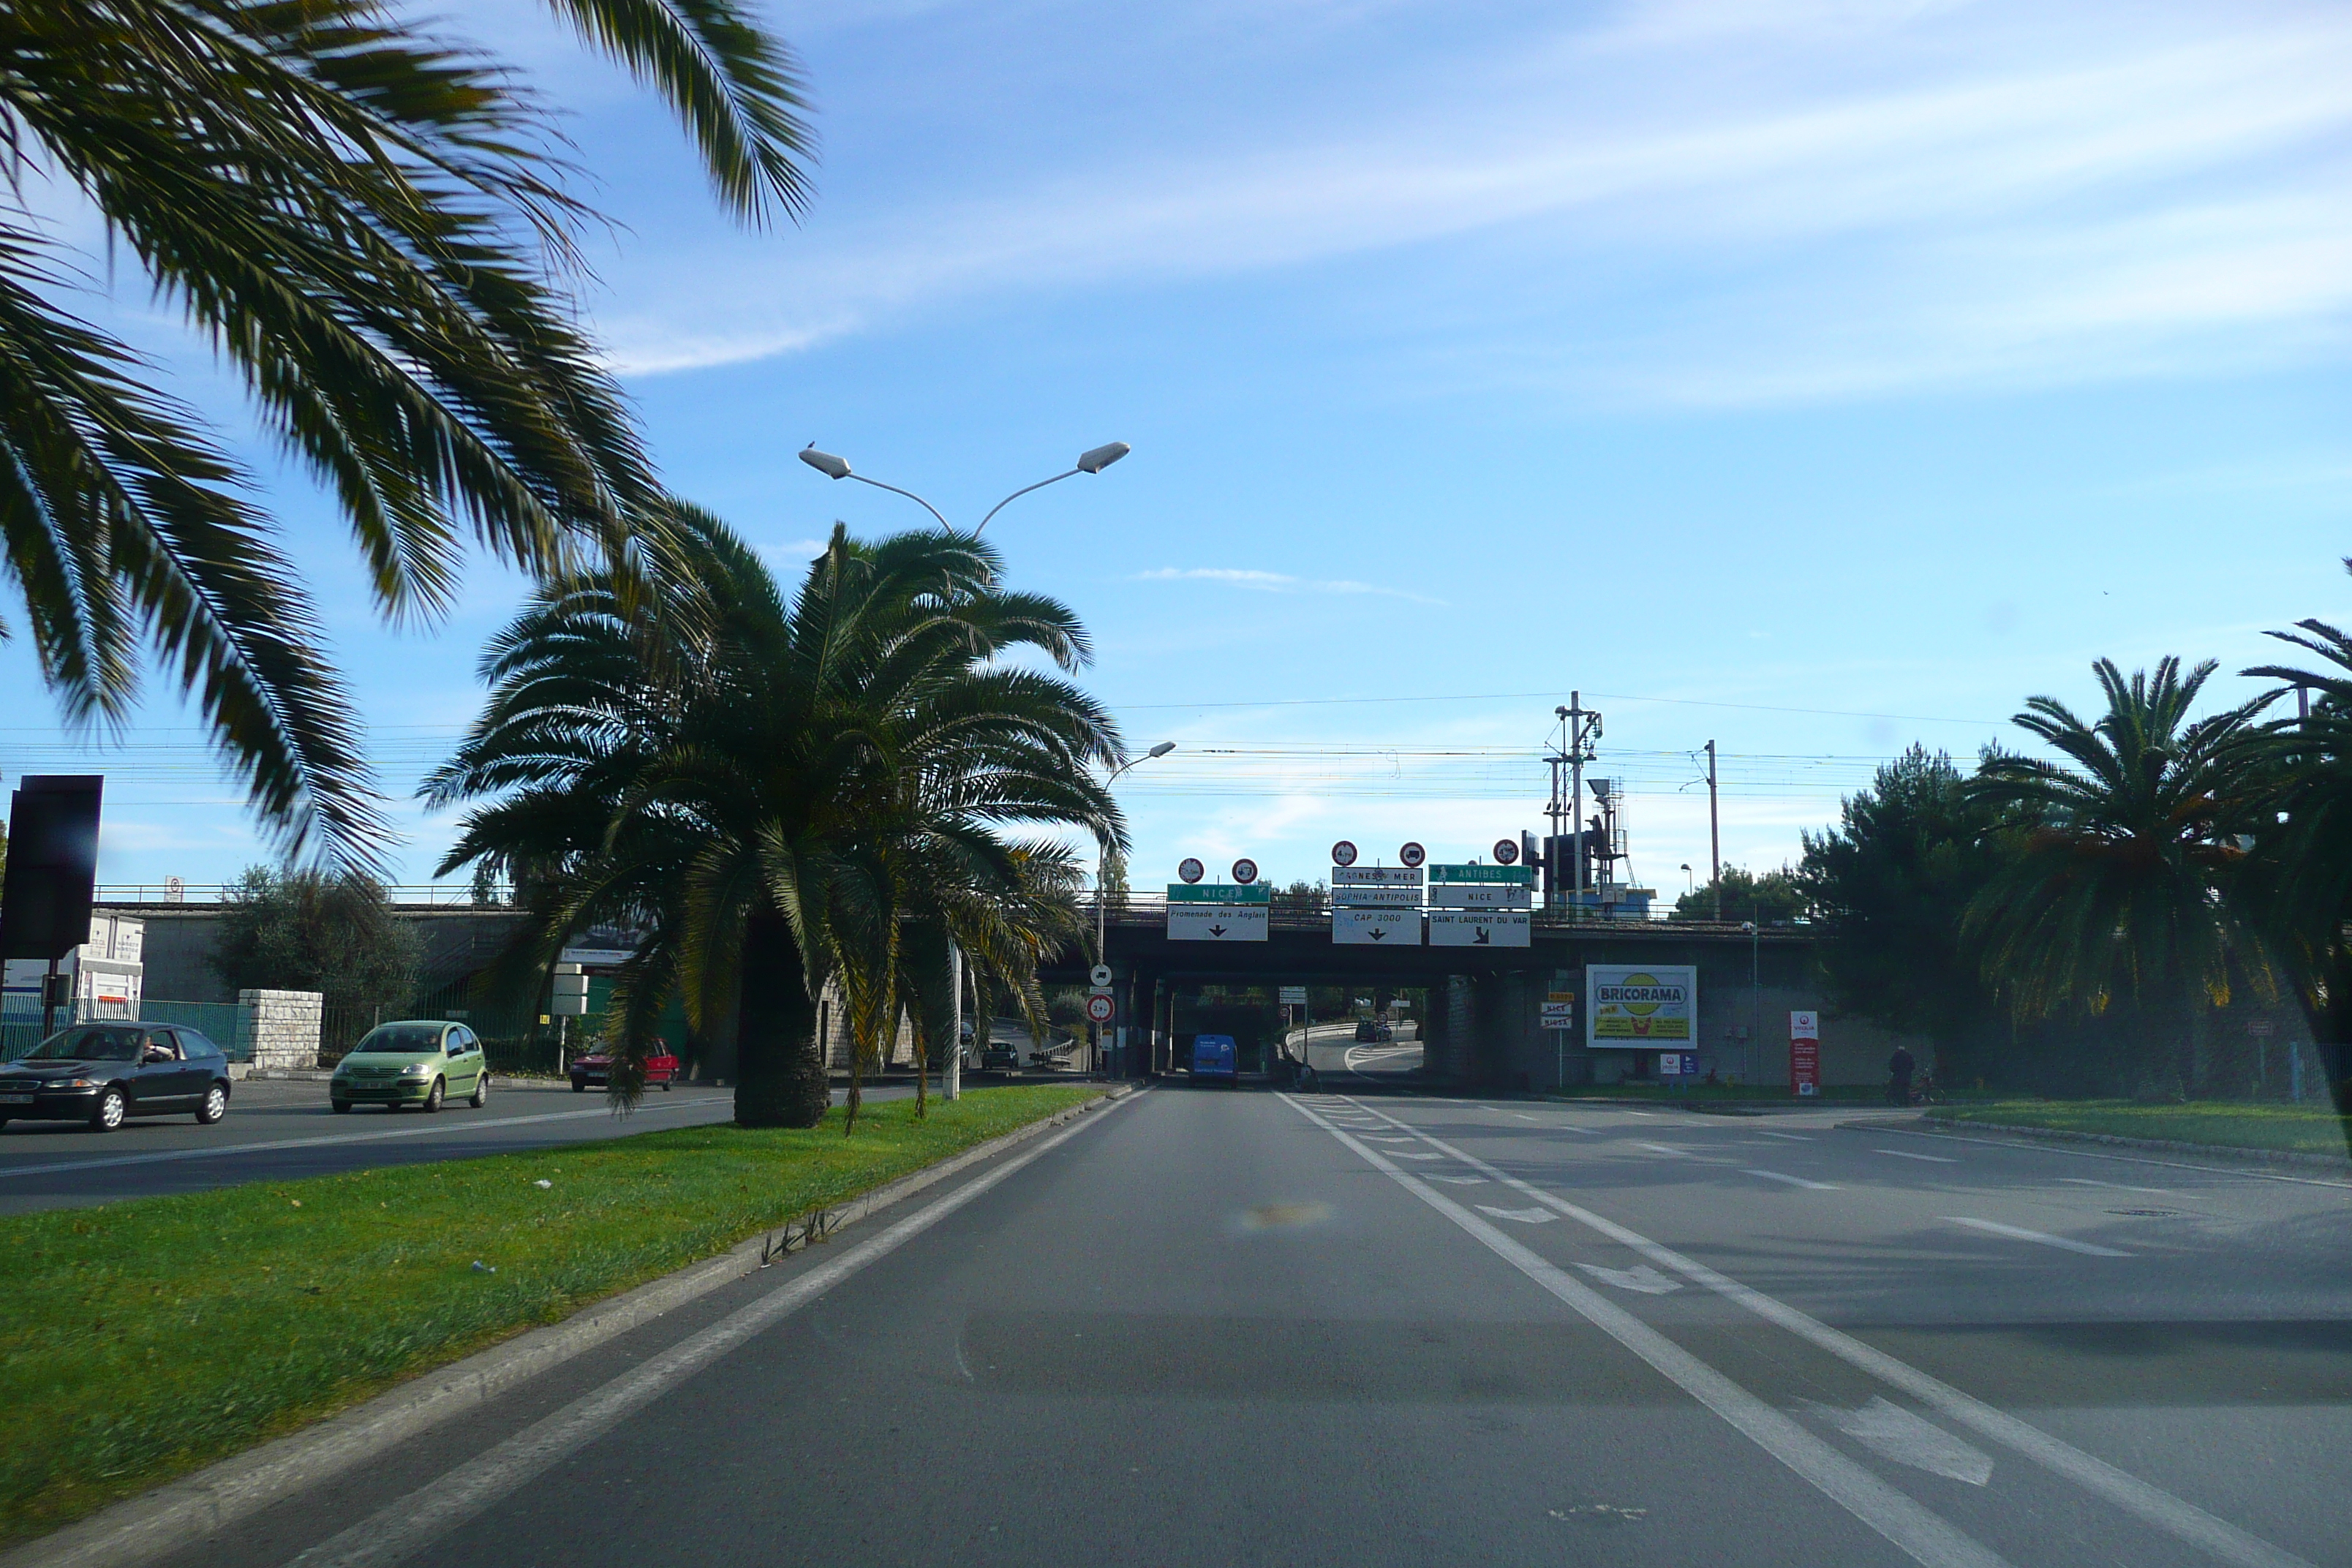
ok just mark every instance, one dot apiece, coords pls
pixel 1638 1006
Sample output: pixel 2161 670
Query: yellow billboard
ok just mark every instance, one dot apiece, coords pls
pixel 1641 1005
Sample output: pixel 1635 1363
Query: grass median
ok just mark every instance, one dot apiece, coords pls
pixel 2221 1124
pixel 143 1340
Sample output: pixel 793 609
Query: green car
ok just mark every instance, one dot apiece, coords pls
pixel 417 1061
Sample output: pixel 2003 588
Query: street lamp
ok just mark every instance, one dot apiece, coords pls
pixel 1690 882
pixel 1102 854
pixel 1093 460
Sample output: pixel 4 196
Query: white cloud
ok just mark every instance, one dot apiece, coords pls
pixel 1275 582
pixel 1743 204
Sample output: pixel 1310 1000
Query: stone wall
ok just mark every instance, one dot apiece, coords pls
pixel 283 1026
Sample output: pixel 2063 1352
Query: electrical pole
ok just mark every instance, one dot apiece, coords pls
pixel 1714 836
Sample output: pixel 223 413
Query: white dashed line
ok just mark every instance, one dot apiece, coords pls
pixel 1907 1154
pixel 2019 1233
pixel 1797 1181
pixel 1662 1148
pixel 2116 1186
pixel 1791 1137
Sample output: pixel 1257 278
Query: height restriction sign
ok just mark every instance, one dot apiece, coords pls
pixel 1101 1007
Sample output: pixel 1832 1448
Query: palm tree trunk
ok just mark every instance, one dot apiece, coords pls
pixel 779 1062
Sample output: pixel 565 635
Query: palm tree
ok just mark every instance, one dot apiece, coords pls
pixel 371 226
pixel 779 795
pixel 2119 886
pixel 2303 837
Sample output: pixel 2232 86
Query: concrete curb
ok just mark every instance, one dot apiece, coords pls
pixel 144 1528
pixel 2219 1152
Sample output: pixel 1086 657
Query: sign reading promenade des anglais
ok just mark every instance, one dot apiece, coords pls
pixel 1217 911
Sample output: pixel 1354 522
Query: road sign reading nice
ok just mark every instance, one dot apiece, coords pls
pixel 1217 911
pixel 1352 926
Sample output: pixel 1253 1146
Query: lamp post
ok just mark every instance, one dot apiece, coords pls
pixel 1690 883
pixel 1093 460
pixel 1102 915
pixel 1755 991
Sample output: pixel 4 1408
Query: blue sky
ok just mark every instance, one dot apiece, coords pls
pixel 1812 377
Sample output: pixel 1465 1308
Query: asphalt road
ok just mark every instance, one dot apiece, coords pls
pixel 1225 1326
pixel 276 1130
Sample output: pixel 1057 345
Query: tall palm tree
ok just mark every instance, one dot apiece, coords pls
pixel 371 226
pixel 2303 837
pixel 776 793
pixel 2119 889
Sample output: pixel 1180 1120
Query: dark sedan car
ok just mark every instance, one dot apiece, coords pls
pixel 106 1073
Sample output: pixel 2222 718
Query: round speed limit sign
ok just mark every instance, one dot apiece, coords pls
pixel 1099 1007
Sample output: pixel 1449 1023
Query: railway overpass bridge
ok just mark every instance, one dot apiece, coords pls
pixel 1483 1023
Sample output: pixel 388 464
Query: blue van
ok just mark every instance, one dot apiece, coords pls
pixel 1213 1056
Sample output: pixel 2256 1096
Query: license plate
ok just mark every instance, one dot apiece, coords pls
pixel 15 1099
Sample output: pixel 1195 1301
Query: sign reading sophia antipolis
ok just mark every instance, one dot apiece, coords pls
pixel 1639 1006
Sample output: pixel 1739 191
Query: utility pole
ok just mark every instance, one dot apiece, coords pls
pixel 1578 728
pixel 1714 836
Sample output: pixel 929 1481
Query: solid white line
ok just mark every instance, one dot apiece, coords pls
pixel 2038 1146
pixel 2153 1505
pixel 2019 1233
pixel 1918 1533
pixel 1791 1137
pixel 1907 1154
pixel 1797 1181
pixel 400 1530
pixel 453 1126
pixel 2118 1186
pixel 1662 1148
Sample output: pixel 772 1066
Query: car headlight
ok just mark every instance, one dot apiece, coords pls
pixel 417 1070
pixel 71 1083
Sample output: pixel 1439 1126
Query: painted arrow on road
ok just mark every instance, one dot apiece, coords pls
pixel 1642 1278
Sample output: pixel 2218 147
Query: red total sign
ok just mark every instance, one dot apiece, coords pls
pixel 1804 1053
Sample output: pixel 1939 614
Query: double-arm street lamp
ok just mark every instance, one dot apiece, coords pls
pixel 1094 461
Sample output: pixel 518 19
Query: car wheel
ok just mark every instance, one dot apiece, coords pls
pixel 110 1112
pixel 665 1086
pixel 214 1107
pixel 481 1094
pixel 342 1107
pixel 433 1095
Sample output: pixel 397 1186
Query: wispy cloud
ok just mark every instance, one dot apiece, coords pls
pixel 1275 582
pixel 1747 203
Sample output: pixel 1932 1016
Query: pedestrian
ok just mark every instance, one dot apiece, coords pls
pixel 1898 1069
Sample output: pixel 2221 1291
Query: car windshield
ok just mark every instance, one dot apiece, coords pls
pixel 87 1044
pixel 402 1039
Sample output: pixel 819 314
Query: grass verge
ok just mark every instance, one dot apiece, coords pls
pixel 146 1340
pixel 2288 1128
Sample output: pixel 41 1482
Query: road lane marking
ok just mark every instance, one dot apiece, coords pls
pixel 1791 1137
pixel 1919 1533
pixel 2038 1147
pixel 1797 1181
pixel 1893 1433
pixel 330 1140
pixel 1641 1277
pixel 2118 1186
pixel 1907 1154
pixel 2019 1233
pixel 2151 1504
pixel 399 1531
pixel 1525 1216
pixel 1458 1181
pixel 1662 1148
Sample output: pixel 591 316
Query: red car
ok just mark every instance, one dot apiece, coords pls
pixel 596 1068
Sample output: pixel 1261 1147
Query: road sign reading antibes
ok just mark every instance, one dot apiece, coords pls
pixel 1375 927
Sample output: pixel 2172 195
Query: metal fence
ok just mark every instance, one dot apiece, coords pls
pixel 513 1039
pixel 223 1023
